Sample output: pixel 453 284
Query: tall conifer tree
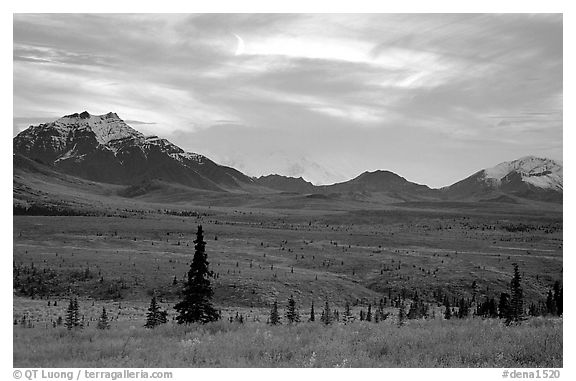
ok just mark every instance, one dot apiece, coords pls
pixel 274 316
pixel 292 314
pixel 196 305
pixel 517 299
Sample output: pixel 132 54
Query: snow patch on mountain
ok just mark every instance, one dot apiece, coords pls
pixel 192 156
pixel 539 172
pixel 106 128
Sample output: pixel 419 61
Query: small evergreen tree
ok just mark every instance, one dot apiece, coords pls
pixel 196 305
pixel 162 317
pixel 550 304
pixel 72 315
pixel 77 322
pixel 347 317
pixel 274 316
pixel 413 311
pixel 558 298
pixel 155 316
pixel 463 309
pixel 369 313
pixel 487 309
pixel 517 299
pixel 504 306
pixel 312 314
pixel 447 311
pixel 401 314
pixel 292 314
pixel 103 322
pixel 380 311
pixel 326 314
pixel 69 320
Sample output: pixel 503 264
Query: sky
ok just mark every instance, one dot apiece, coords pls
pixel 431 97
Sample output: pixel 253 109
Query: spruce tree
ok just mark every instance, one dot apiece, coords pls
pixel 401 315
pixel 292 314
pixel 103 322
pixel 347 314
pixel 558 298
pixel 369 313
pixel 155 316
pixel 380 311
pixel 504 306
pixel 326 314
pixel 550 304
pixel 77 314
pixel 196 305
pixel 463 309
pixel 72 315
pixel 413 311
pixel 69 320
pixel 312 314
pixel 162 317
pixel 517 299
pixel 274 316
pixel 447 311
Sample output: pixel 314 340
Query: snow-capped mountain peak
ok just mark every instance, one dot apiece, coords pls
pixel 104 148
pixel 539 172
pixel 106 127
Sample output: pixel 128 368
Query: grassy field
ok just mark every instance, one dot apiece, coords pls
pixel 424 343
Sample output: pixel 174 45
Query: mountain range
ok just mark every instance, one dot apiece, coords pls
pixel 103 148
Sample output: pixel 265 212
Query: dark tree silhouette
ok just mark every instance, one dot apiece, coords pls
pixel 72 315
pixel 69 320
pixel 558 298
pixel 463 308
pixel 155 316
pixel 447 311
pixel 550 304
pixel 326 317
pixel 274 316
pixel 504 306
pixel 196 305
pixel 347 317
pixel 401 314
pixel 312 314
pixel 487 308
pixel 103 322
pixel 292 314
pixel 517 299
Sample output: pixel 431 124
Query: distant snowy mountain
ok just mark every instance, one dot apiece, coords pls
pixel 309 170
pixel 528 177
pixel 104 148
pixel 539 172
pixel 283 164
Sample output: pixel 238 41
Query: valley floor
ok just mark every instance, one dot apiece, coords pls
pixel 261 255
